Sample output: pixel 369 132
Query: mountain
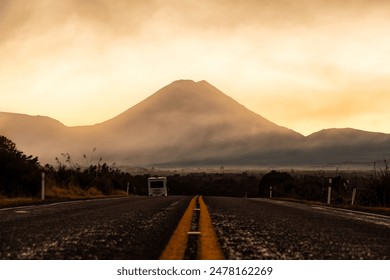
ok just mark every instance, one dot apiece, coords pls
pixel 190 123
pixel 348 145
pixel 34 135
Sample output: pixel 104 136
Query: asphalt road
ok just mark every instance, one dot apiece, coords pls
pixel 264 229
pixel 140 228
pixel 125 228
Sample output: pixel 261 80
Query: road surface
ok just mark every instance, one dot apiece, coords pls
pixel 124 228
pixel 266 229
pixel 141 227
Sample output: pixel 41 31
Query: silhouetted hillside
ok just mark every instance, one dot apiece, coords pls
pixel 347 145
pixel 191 123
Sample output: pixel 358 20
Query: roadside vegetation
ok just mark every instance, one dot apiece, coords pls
pixel 372 187
pixel 20 181
pixel 19 174
pixel 21 177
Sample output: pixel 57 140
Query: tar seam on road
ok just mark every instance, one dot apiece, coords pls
pixel 208 247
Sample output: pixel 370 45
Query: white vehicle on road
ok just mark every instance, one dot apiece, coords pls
pixel 157 186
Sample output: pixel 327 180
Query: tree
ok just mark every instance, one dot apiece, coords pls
pixel 19 174
pixel 281 182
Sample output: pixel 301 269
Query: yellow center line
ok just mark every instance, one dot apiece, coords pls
pixel 208 245
pixel 209 248
pixel 177 245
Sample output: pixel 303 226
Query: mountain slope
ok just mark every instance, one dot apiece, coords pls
pixel 347 145
pixel 35 135
pixel 191 123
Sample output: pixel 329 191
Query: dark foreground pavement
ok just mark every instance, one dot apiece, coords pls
pixel 264 229
pixel 121 228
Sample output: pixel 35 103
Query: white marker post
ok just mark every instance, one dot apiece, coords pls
pixel 329 190
pixel 43 186
pixel 270 192
pixel 128 186
pixel 353 196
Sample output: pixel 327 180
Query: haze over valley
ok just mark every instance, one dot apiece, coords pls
pixel 192 124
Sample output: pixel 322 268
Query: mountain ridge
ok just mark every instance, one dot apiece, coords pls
pixel 191 123
pixel 184 92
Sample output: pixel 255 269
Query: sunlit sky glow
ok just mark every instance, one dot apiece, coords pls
pixel 306 65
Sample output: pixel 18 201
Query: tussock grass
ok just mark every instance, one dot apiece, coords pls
pixel 5 201
pixel 72 192
pixel 54 193
pixel 75 192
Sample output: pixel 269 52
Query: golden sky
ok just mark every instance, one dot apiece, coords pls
pixel 306 65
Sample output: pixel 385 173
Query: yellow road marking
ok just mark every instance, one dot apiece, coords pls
pixel 177 245
pixel 209 248
pixel 208 245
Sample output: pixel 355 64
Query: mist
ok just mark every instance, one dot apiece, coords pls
pixel 190 124
pixel 98 58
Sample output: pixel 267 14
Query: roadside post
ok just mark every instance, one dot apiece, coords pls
pixel 353 196
pixel 329 190
pixel 43 186
pixel 270 192
pixel 128 187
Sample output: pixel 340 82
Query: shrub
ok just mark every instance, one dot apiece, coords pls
pixel 20 175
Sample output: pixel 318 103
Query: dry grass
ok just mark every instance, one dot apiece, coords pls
pixel 5 201
pixel 57 193
pixel 72 192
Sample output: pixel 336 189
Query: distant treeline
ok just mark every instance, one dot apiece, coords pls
pixel 200 184
pixel 372 188
pixel 20 175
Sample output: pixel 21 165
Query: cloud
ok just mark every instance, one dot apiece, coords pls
pixel 70 52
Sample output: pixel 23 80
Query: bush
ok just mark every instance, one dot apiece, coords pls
pixel 20 175
pixel 103 178
pixel 281 183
